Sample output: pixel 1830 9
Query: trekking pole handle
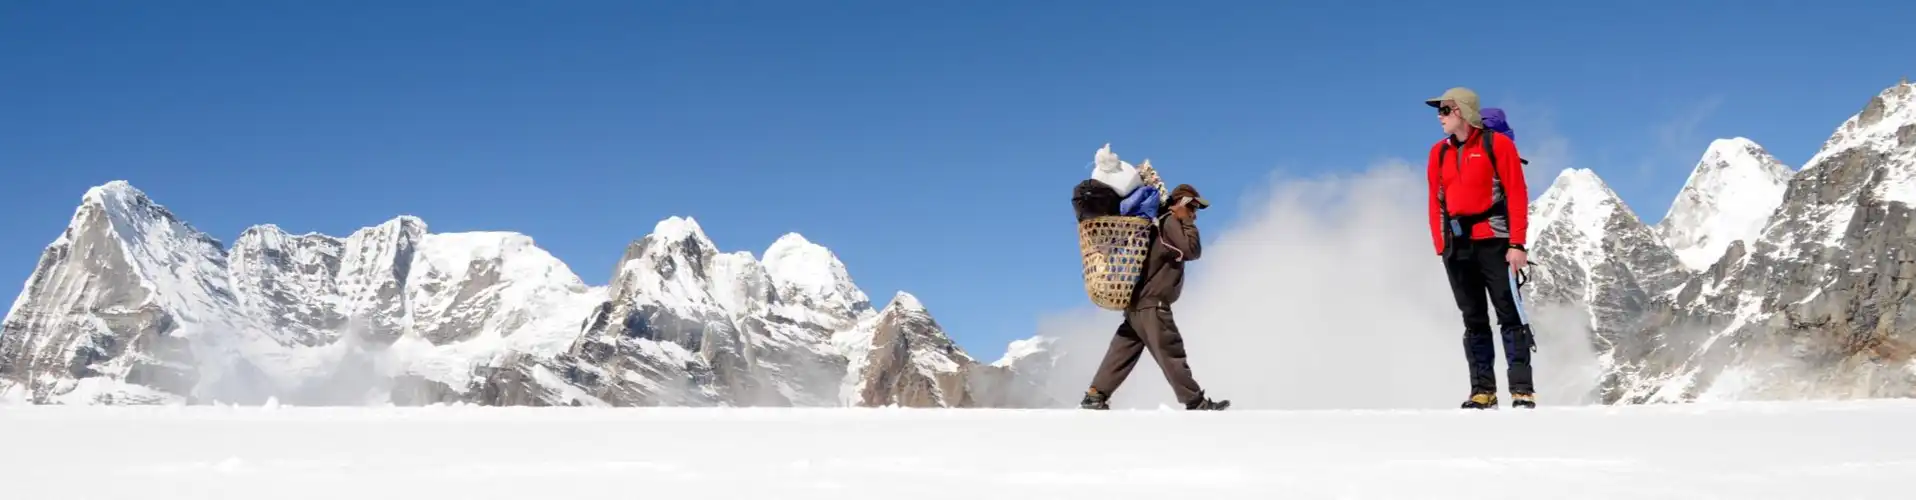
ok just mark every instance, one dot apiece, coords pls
pixel 1523 275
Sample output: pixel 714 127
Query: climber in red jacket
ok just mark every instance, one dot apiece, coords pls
pixel 1478 218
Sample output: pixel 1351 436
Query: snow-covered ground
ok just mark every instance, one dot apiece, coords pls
pixel 1821 450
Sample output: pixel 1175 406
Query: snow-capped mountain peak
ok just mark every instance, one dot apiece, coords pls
pixel 134 217
pixel 670 267
pixel 132 302
pixel 1575 183
pixel 481 291
pixel 177 263
pixel 116 193
pixel 677 229
pixel 796 262
pixel 1870 158
pixel 1568 223
pixel 906 302
pixel 902 356
pixel 1588 247
pixel 810 280
pixel 1578 198
pixel 1729 196
pixel 1733 154
pixel 120 196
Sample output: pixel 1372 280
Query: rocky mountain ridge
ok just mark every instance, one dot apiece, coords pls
pixel 132 305
pixel 1761 282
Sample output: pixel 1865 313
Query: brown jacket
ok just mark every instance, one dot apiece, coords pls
pixel 1163 280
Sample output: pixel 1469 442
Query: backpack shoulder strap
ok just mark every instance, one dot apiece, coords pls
pixel 1490 152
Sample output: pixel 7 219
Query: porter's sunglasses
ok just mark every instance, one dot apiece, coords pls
pixel 1443 110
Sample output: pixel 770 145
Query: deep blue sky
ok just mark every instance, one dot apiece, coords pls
pixel 899 134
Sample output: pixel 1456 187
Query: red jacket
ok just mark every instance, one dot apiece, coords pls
pixel 1469 190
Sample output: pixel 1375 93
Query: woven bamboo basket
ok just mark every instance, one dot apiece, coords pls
pixel 1114 248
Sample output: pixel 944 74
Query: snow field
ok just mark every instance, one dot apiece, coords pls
pixel 1822 450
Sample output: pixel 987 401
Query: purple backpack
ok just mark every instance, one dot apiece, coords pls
pixel 1494 120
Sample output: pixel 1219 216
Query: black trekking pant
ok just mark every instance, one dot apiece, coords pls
pixel 1478 270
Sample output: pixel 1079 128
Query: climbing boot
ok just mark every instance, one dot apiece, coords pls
pixel 1209 405
pixel 1481 401
pixel 1523 400
pixel 1094 400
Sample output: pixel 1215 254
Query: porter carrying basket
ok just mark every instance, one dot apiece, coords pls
pixel 1114 248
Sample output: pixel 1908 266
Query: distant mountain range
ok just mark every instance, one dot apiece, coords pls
pixel 131 305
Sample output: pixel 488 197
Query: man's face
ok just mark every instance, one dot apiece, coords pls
pixel 1449 117
pixel 1185 210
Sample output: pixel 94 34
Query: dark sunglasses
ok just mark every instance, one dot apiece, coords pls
pixel 1443 110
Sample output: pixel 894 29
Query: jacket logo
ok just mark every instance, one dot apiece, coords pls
pixel 1476 155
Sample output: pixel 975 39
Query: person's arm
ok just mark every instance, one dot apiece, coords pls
pixel 1436 229
pixel 1516 189
pixel 1182 235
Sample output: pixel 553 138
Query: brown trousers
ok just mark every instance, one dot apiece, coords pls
pixel 1151 328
